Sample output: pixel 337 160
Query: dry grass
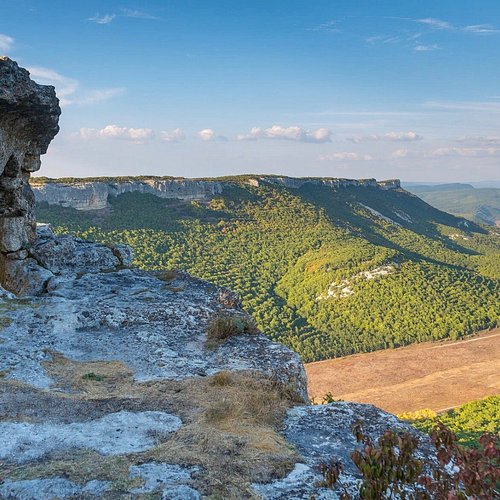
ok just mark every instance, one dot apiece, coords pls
pixel 223 325
pixel 434 375
pixel 168 275
pixel 230 430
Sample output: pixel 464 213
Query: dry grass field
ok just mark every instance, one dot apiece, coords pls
pixel 435 375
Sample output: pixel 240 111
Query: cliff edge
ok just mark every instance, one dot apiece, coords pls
pixel 117 383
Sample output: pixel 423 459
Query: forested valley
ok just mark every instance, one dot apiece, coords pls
pixel 329 272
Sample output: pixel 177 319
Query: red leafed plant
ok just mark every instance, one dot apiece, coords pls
pixel 390 469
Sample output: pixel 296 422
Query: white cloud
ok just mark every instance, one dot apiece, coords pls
pixel 436 23
pixel 390 136
pixel 345 156
pixel 106 19
pixel 207 134
pixel 175 135
pixel 100 95
pixel 481 29
pixel 6 43
pixel 67 88
pixel 136 135
pixel 426 48
pixel 138 14
pixel 296 134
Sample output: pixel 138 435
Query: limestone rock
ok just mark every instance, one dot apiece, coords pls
pixel 29 115
pixel 23 276
pixel 322 433
pixel 65 254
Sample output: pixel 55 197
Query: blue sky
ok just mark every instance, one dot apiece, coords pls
pixel 339 88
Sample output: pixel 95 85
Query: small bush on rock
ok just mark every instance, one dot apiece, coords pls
pixel 224 325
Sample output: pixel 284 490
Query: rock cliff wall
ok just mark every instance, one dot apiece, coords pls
pixel 93 195
pixel 29 115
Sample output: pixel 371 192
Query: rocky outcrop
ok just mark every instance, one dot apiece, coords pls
pixel 110 386
pixel 29 115
pixel 94 195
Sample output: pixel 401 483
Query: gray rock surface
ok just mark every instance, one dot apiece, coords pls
pixel 322 433
pixel 114 434
pixel 157 328
pixel 170 479
pixel 54 488
pixel 29 115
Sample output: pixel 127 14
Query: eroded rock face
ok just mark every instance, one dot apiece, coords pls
pixel 29 115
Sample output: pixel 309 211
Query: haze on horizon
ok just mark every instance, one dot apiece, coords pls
pixel 376 89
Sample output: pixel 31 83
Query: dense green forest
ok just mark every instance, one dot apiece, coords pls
pixel 326 271
pixel 468 421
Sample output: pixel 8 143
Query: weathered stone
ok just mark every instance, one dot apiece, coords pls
pixel 29 115
pixel 14 234
pixel 322 433
pixel 124 254
pixel 113 434
pixel 56 487
pixel 65 254
pixel 169 479
pixel 23 277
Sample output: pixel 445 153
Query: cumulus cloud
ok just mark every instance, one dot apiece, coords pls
pixel 135 135
pixel 296 134
pixel 390 136
pixel 105 19
pixel 6 43
pixel 68 89
pixel 175 135
pixel 345 156
pixel 208 134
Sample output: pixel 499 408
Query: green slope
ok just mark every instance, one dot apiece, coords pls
pixel 283 249
pixel 478 204
pixel 469 421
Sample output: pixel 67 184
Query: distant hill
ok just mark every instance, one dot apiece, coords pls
pixel 478 204
pixel 328 267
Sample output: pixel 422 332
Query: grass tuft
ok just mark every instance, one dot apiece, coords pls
pixel 224 325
